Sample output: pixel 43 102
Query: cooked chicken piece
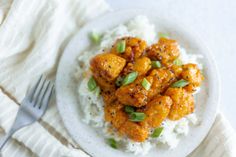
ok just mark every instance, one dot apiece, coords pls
pixel 109 96
pixel 162 79
pixel 183 103
pixel 107 65
pixel 133 94
pixel 166 51
pixel 114 113
pixel 134 48
pixel 142 65
pixel 176 69
pixel 128 69
pixel 190 88
pixel 193 75
pixel 134 131
pixel 104 84
pixel 156 111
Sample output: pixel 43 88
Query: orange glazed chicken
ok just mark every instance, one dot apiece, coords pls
pixel 166 51
pixel 142 86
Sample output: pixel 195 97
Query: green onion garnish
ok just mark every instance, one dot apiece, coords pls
pixel 97 91
pixel 130 78
pixel 112 143
pixel 137 116
pixel 119 81
pixel 129 109
pixel 156 64
pixel 163 35
pixel 178 62
pixel 95 37
pixel 120 47
pixel 157 132
pixel 91 84
pixel 146 84
pixel 180 83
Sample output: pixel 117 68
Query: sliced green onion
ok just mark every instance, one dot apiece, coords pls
pixel 112 143
pixel 129 109
pixel 95 37
pixel 120 47
pixel 156 64
pixel 163 35
pixel 92 84
pixel 180 83
pixel 137 116
pixel 178 62
pixel 119 81
pixel 97 91
pixel 146 84
pixel 130 78
pixel 157 132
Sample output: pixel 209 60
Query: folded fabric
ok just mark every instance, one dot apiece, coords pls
pixel 33 35
pixel 35 136
pixel 220 141
pixel 15 149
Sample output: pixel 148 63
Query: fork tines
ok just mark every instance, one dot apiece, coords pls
pixel 41 92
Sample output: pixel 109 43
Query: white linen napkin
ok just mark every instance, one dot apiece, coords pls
pixel 33 34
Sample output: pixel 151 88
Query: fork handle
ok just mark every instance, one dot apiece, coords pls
pixel 4 140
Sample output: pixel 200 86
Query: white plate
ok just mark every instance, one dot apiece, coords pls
pixel 206 101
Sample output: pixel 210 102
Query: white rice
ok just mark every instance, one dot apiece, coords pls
pixel 92 106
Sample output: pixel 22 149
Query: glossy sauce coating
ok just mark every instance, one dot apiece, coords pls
pixel 166 51
pixel 183 103
pixel 159 101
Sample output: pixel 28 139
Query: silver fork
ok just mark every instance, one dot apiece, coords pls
pixel 32 107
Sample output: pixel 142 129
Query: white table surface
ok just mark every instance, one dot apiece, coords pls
pixel 215 22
